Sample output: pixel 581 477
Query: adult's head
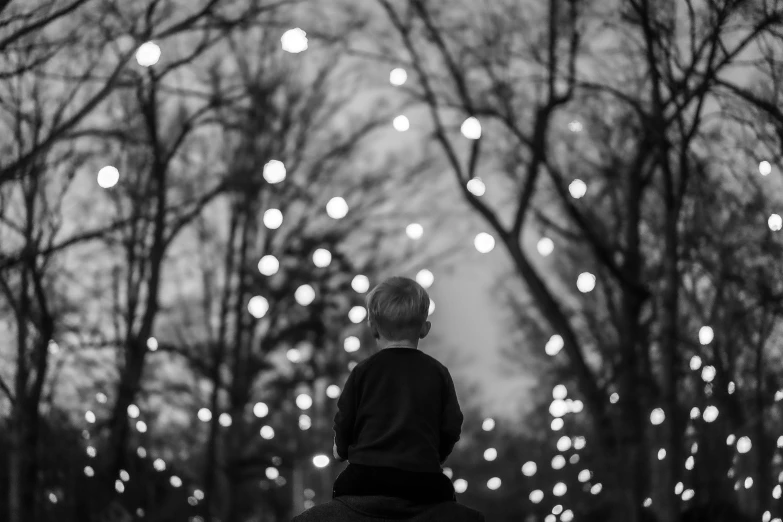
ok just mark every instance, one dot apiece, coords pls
pixel 370 509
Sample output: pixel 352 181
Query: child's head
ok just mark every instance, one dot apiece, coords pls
pixel 398 309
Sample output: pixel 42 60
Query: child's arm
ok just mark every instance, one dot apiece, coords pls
pixel 344 419
pixel 451 423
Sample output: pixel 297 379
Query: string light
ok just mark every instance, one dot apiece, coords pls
pixel 558 462
pixel 360 284
pixel 401 124
pixel 554 345
pixel 337 208
pixel 585 282
pixel 414 231
pixel 744 445
pixel 706 335
pixel 333 391
pixel 148 54
pixel 425 278
pixel 545 246
pixel 258 306
pixel 710 413
pixel 274 172
pixel 320 461
pixel 471 128
pixel 775 222
pixel 108 177
pixel 398 77
pixel 273 219
pixel 351 344
pixel 322 258
pixel 657 416
pixel 304 295
pixel 484 243
pixel 260 410
pixel 268 265
pixel 476 187
pixel 304 401
pixel 577 188
pixel 357 314
pixel 529 468
pixel 294 41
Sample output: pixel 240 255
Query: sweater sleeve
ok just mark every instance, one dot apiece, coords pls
pixel 345 416
pixel 451 419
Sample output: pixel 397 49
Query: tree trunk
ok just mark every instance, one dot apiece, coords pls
pixel 23 470
pixel 763 453
pixel 130 379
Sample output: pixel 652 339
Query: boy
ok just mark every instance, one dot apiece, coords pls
pixel 398 416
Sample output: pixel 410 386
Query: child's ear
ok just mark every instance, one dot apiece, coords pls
pixel 425 329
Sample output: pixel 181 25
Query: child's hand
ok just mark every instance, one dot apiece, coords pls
pixel 337 456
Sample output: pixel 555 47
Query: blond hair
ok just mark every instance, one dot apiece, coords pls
pixel 398 307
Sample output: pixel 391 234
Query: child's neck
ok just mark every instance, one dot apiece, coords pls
pixel 385 343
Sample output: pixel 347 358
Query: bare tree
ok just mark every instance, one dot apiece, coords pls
pixel 650 72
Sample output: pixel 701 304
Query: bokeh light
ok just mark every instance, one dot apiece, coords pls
pixel 337 208
pixel 258 306
pixel 577 188
pixel 294 41
pixel 273 218
pixel 414 231
pixel 401 123
pixel 304 295
pixel 398 77
pixel 471 128
pixel 320 461
pixel 545 246
pixel 360 284
pixel 351 344
pixel 260 410
pixel 425 278
pixel 322 258
pixel 108 177
pixel 148 54
pixel 476 187
pixel 484 243
pixel 274 172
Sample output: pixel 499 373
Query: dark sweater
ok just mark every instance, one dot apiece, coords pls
pixel 398 409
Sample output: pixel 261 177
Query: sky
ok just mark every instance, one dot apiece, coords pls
pixel 468 321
